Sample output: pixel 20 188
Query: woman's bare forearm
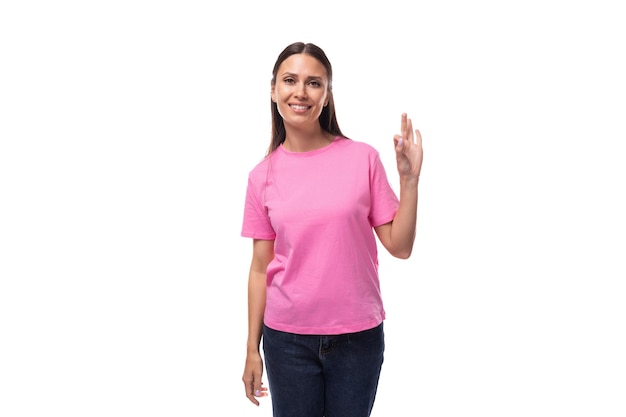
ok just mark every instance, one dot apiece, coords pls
pixel 256 308
pixel 403 227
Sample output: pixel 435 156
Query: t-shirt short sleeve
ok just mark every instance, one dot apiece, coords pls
pixel 384 202
pixel 256 222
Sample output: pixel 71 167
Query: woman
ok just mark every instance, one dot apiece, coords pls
pixel 314 206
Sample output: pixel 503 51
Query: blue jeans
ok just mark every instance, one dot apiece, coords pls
pixel 316 376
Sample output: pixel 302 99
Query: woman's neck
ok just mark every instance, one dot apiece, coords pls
pixel 298 141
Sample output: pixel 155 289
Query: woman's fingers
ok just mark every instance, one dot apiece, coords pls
pixel 253 392
pixel 418 138
pixel 406 127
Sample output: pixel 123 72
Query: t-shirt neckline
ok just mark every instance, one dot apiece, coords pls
pixel 309 153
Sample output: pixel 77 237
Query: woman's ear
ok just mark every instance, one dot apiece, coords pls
pixel 273 92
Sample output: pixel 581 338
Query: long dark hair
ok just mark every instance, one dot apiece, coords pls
pixel 328 118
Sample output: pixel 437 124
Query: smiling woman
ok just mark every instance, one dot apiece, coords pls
pixel 314 207
pixel 301 91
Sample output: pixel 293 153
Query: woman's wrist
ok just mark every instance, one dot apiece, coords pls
pixel 409 181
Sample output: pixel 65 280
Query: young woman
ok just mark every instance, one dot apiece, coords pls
pixel 314 207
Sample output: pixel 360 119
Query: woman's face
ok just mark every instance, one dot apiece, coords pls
pixel 301 90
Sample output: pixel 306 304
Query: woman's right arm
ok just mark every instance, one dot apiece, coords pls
pixel 262 254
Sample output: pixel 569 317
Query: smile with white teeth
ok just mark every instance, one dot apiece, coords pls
pixel 298 107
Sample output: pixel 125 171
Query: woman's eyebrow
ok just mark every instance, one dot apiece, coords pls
pixel 308 77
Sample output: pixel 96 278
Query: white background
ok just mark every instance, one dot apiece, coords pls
pixel 127 132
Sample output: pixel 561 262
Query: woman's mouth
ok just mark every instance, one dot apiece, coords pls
pixel 299 107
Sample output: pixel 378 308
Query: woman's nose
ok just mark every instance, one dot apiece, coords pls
pixel 301 90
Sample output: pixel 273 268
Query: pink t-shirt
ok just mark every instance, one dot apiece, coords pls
pixel 320 208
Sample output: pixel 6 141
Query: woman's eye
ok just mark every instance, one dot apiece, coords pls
pixel 289 80
pixel 315 83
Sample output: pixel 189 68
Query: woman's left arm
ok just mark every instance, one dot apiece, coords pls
pixel 398 235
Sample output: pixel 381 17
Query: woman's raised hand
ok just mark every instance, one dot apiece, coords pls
pixel 409 153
